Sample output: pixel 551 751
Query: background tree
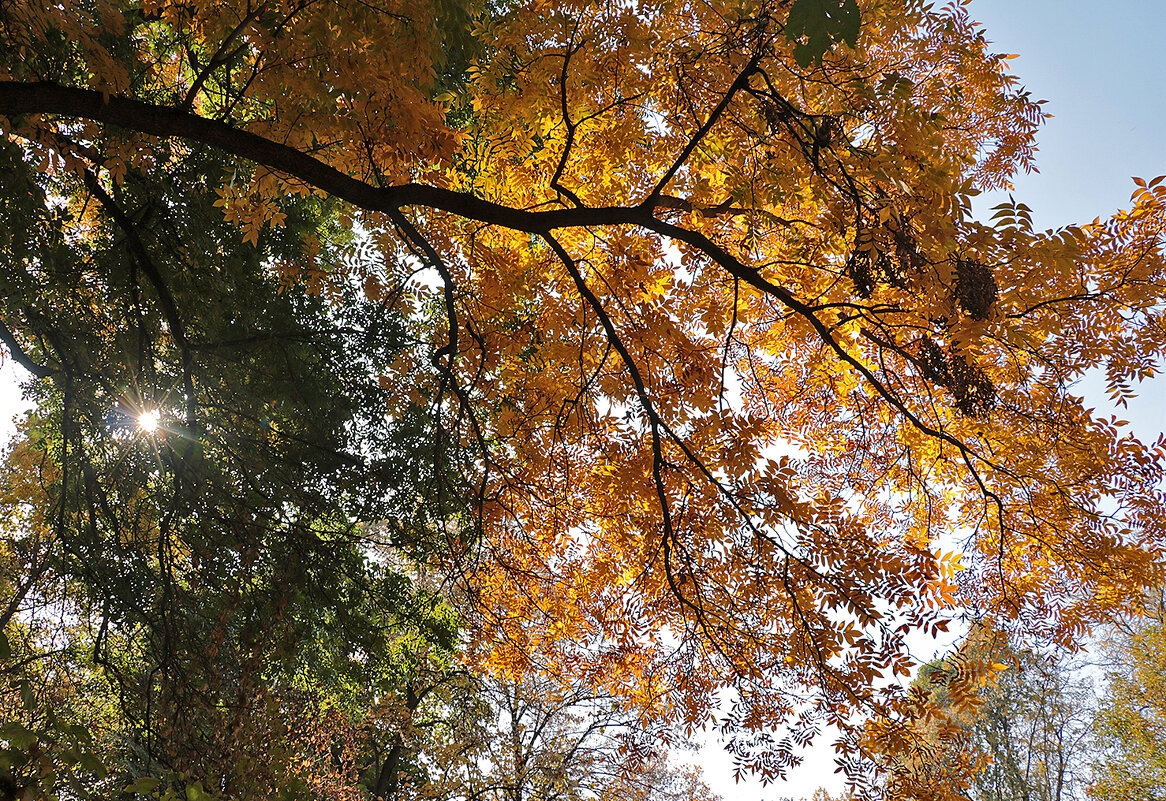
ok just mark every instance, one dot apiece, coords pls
pixel 542 738
pixel 1036 726
pixel 1022 720
pixel 189 511
pixel 1131 720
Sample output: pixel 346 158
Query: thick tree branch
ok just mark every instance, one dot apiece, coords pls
pixel 51 98
pixel 21 356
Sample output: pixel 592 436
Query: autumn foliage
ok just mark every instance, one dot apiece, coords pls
pixel 735 393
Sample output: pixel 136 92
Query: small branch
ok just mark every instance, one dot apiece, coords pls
pixel 741 81
pixel 558 187
pixel 656 425
pixel 166 300
pixel 416 239
pixel 218 59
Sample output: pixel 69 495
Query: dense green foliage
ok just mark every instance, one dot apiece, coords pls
pixel 257 542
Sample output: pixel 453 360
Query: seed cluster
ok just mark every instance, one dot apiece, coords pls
pixel 975 288
pixel 975 292
pixel 869 266
pixel 975 394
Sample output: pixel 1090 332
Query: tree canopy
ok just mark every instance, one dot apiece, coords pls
pixel 661 331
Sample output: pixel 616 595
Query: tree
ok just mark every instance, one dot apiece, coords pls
pixel 1022 719
pixel 1035 726
pixel 541 738
pixel 188 515
pixel 669 242
pixel 1131 720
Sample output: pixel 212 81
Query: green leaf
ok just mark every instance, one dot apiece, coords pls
pixel 27 695
pixel 12 758
pixel 92 763
pixel 816 25
pixel 194 792
pixel 145 785
pixel 79 733
pixel 17 735
pixel 5 646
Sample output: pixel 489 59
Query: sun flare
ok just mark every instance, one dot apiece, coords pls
pixel 148 421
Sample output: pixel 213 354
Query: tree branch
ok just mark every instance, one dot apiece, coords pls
pixel 51 98
pixel 741 81
pixel 165 298
pixel 44 97
pixel 21 355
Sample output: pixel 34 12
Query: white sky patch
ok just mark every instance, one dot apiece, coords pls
pixel 12 402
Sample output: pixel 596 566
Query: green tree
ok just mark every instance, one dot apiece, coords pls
pixel 1131 719
pixel 225 502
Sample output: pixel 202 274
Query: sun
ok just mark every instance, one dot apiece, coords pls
pixel 148 421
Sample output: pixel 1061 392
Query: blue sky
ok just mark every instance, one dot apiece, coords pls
pixel 1102 69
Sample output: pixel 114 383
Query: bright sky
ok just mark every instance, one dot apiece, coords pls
pixel 10 402
pixel 1101 69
